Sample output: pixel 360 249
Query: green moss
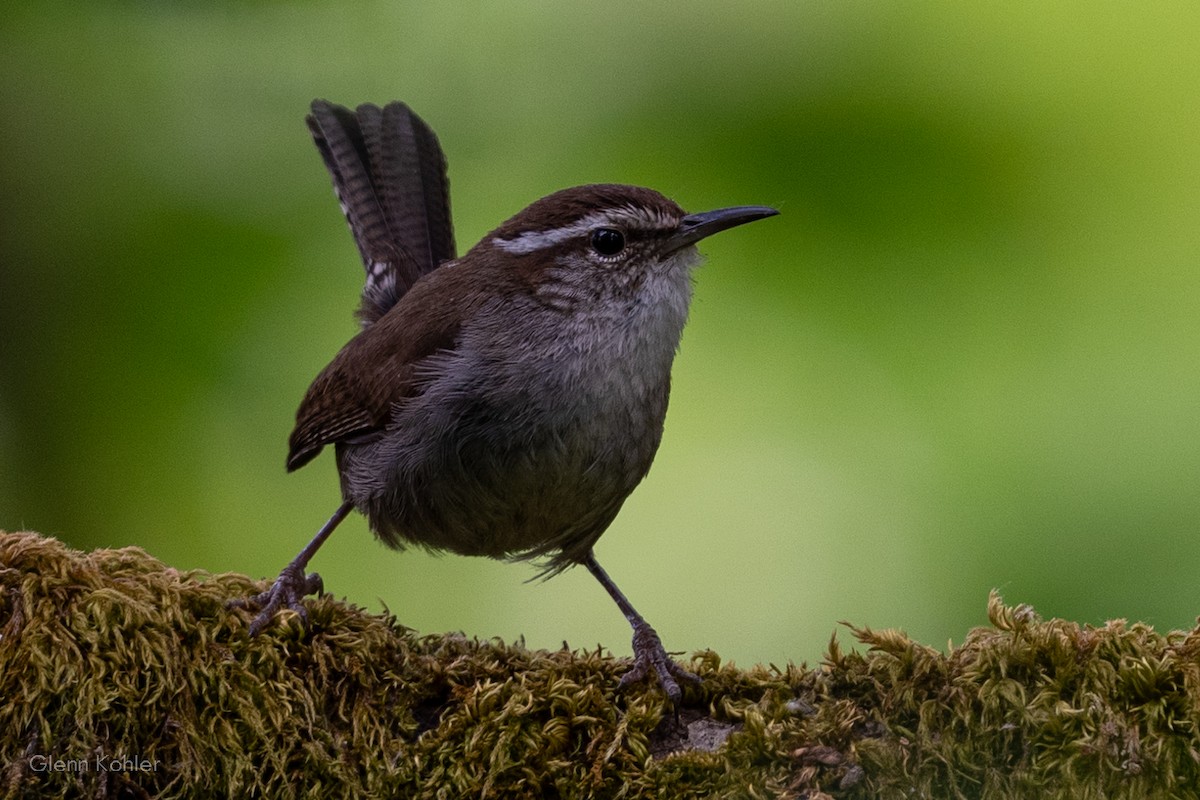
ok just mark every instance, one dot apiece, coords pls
pixel 113 654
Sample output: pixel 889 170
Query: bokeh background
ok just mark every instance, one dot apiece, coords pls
pixel 966 356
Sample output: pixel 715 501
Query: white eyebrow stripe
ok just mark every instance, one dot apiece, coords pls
pixel 629 216
pixel 531 241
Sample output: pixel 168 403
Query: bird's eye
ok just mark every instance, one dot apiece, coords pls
pixel 608 241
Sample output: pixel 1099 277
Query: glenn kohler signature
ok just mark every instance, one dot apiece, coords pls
pixel 42 762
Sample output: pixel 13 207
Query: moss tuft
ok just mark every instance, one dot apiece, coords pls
pixel 122 677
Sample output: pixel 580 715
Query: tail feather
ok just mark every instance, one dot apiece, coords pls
pixel 389 174
pixel 414 176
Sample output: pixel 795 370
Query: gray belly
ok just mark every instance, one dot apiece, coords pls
pixel 504 479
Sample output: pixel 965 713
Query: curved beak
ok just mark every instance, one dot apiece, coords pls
pixel 695 227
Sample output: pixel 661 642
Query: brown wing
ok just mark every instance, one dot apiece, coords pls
pixel 330 412
pixel 354 396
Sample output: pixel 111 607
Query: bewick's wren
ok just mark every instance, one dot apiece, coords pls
pixel 505 403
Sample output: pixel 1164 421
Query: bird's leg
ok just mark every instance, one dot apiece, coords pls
pixel 648 649
pixel 292 585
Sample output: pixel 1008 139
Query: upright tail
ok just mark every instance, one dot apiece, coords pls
pixel 389 174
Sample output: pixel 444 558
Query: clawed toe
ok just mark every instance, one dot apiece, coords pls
pixel 288 591
pixel 649 653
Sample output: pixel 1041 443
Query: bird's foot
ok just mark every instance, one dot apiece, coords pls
pixel 648 653
pixel 288 591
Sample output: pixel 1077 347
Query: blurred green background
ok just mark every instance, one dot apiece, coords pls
pixel 966 356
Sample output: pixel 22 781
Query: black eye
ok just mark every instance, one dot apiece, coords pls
pixel 608 241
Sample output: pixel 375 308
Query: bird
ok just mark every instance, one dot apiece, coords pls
pixel 504 403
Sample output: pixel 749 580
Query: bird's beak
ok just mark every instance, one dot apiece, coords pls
pixel 695 227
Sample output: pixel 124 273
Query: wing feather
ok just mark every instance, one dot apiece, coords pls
pixel 355 396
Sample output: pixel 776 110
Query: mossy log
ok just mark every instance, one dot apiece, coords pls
pixel 122 677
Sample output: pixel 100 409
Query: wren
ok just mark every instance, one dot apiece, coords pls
pixel 506 402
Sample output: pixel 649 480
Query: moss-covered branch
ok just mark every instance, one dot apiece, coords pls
pixel 121 677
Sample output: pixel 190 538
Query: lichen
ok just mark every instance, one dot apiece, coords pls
pixel 135 681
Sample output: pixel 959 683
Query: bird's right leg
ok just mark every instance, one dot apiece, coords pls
pixel 648 650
